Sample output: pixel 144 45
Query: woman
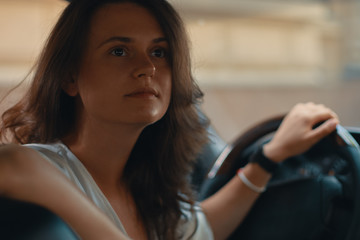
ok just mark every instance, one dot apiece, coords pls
pixel 113 106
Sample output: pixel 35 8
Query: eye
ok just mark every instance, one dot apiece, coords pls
pixel 119 52
pixel 160 53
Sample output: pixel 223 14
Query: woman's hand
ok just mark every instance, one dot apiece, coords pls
pixel 227 208
pixel 297 134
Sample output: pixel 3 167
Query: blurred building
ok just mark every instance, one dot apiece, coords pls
pixel 274 42
pixel 253 58
pixel 257 58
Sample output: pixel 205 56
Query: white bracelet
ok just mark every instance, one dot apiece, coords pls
pixel 250 184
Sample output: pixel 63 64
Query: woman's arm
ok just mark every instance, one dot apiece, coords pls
pixel 227 208
pixel 25 175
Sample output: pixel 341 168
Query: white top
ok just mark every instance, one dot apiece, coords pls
pixel 191 226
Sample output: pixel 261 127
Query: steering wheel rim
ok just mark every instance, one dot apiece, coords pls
pixel 227 164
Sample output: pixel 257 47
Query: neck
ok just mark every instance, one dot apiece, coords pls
pixel 104 150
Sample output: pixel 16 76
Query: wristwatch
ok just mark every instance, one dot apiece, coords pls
pixel 264 162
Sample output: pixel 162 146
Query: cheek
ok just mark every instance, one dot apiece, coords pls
pixel 95 80
pixel 92 92
pixel 167 91
pixel 86 87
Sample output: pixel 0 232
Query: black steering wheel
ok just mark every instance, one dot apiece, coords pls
pixel 315 195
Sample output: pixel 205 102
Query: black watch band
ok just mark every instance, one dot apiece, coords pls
pixel 259 158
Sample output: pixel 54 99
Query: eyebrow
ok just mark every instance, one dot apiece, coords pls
pixel 129 40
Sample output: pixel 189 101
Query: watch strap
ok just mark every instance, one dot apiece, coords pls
pixel 264 162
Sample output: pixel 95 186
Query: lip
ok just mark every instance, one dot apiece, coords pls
pixel 145 92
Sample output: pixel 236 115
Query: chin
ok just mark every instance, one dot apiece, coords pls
pixel 147 119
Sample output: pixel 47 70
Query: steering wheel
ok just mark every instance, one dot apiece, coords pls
pixel 315 195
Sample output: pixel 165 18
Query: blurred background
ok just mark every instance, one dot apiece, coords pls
pixel 253 59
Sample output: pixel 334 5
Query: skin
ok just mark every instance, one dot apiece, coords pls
pixel 229 206
pixel 122 86
pixel 22 174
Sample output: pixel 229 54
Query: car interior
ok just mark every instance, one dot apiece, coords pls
pixel 315 195
pixel 312 196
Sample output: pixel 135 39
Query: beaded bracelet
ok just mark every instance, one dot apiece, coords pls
pixel 248 183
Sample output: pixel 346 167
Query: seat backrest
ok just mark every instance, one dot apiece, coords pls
pixel 20 220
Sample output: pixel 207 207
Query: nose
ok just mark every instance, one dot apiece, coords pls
pixel 145 68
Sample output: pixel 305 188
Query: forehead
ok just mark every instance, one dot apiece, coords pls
pixel 124 19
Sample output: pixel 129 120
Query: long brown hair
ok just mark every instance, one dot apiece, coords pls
pixel 158 168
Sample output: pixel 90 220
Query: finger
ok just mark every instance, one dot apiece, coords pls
pixel 323 115
pixel 323 130
pixel 323 118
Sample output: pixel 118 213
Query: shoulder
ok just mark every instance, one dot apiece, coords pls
pixel 48 150
pixel 13 151
pixel 63 159
pixel 55 153
pixel 16 156
pixel 20 167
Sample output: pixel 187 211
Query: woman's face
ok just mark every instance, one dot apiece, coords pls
pixel 125 76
